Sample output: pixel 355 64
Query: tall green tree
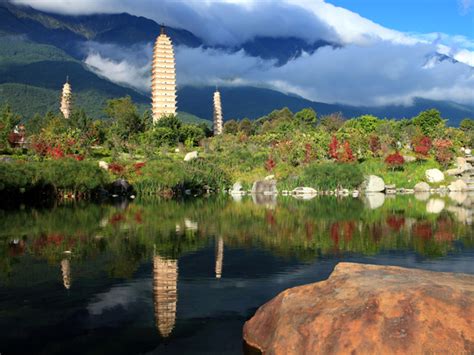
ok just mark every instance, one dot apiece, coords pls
pixel 246 126
pixel 307 116
pixel 430 122
pixel 231 127
pixel 8 121
pixel 467 125
pixel 126 122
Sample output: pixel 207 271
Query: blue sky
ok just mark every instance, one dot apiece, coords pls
pixel 454 17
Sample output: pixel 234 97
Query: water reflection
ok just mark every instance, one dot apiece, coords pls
pixel 66 271
pixel 119 262
pixel 219 257
pixel 165 291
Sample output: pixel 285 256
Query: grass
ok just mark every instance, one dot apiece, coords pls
pixel 408 177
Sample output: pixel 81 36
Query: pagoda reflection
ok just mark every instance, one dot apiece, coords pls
pixel 165 291
pixel 219 257
pixel 66 271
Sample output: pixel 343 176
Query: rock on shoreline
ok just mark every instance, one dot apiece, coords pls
pixel 369 309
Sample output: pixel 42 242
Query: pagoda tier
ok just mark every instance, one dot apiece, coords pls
pixel 163 89
pixel 218 119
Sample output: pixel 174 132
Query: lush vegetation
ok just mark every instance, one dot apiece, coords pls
pixel 325 152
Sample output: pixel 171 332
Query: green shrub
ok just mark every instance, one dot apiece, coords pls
pixel 168 174
pixel 64 174
pixel 332 175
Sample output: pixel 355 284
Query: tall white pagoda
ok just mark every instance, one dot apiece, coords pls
pixel 66 99
pixel 163 80
pixel 218 119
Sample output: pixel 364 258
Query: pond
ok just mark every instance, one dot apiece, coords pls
pixel 182 277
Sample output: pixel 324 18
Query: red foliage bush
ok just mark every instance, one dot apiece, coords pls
pixel 443 151
pixel 116 169
pixel 40 147
pixel 374 144
pixel 346 155
pixel 395 160
pixel 270 164
pixel 56 152
pixel 137 167
pixel 333 147
pixel 342 153
pixel 422 145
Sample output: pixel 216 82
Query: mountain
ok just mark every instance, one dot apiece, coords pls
pixel 251 102
pixel 70 32
pixel 32 76
pixel 38 50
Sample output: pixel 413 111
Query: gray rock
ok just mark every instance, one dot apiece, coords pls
pixel 237 188
pixel 434 175
pixel 103 165
pixel 422 187
pixel 374 183
pixel 304 191
pixel 267 187
pixel 191 156
pixel 458 185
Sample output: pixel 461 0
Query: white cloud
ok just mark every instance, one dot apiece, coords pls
pixel 376 66
pixel 381 74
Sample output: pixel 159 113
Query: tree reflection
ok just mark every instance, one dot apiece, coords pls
pixel 129 235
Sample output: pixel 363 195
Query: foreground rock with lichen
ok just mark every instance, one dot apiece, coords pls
pixel 368 309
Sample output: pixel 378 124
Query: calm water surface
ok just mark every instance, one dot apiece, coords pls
pixel 179 277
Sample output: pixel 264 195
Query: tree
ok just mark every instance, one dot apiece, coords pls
pixel 429 121
pixel 124 115
pixel 8 121
pixel 284 114
pixel 191 134
pixel 367 123
pixel 160 136
pixel 467 125
pixel 246 126
pixel 169 121
pixel 306 116
pixel 34 124
pixel 331 123
pixel 79 120
pixel 231 127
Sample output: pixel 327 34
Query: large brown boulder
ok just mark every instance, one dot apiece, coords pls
pixel 368 309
